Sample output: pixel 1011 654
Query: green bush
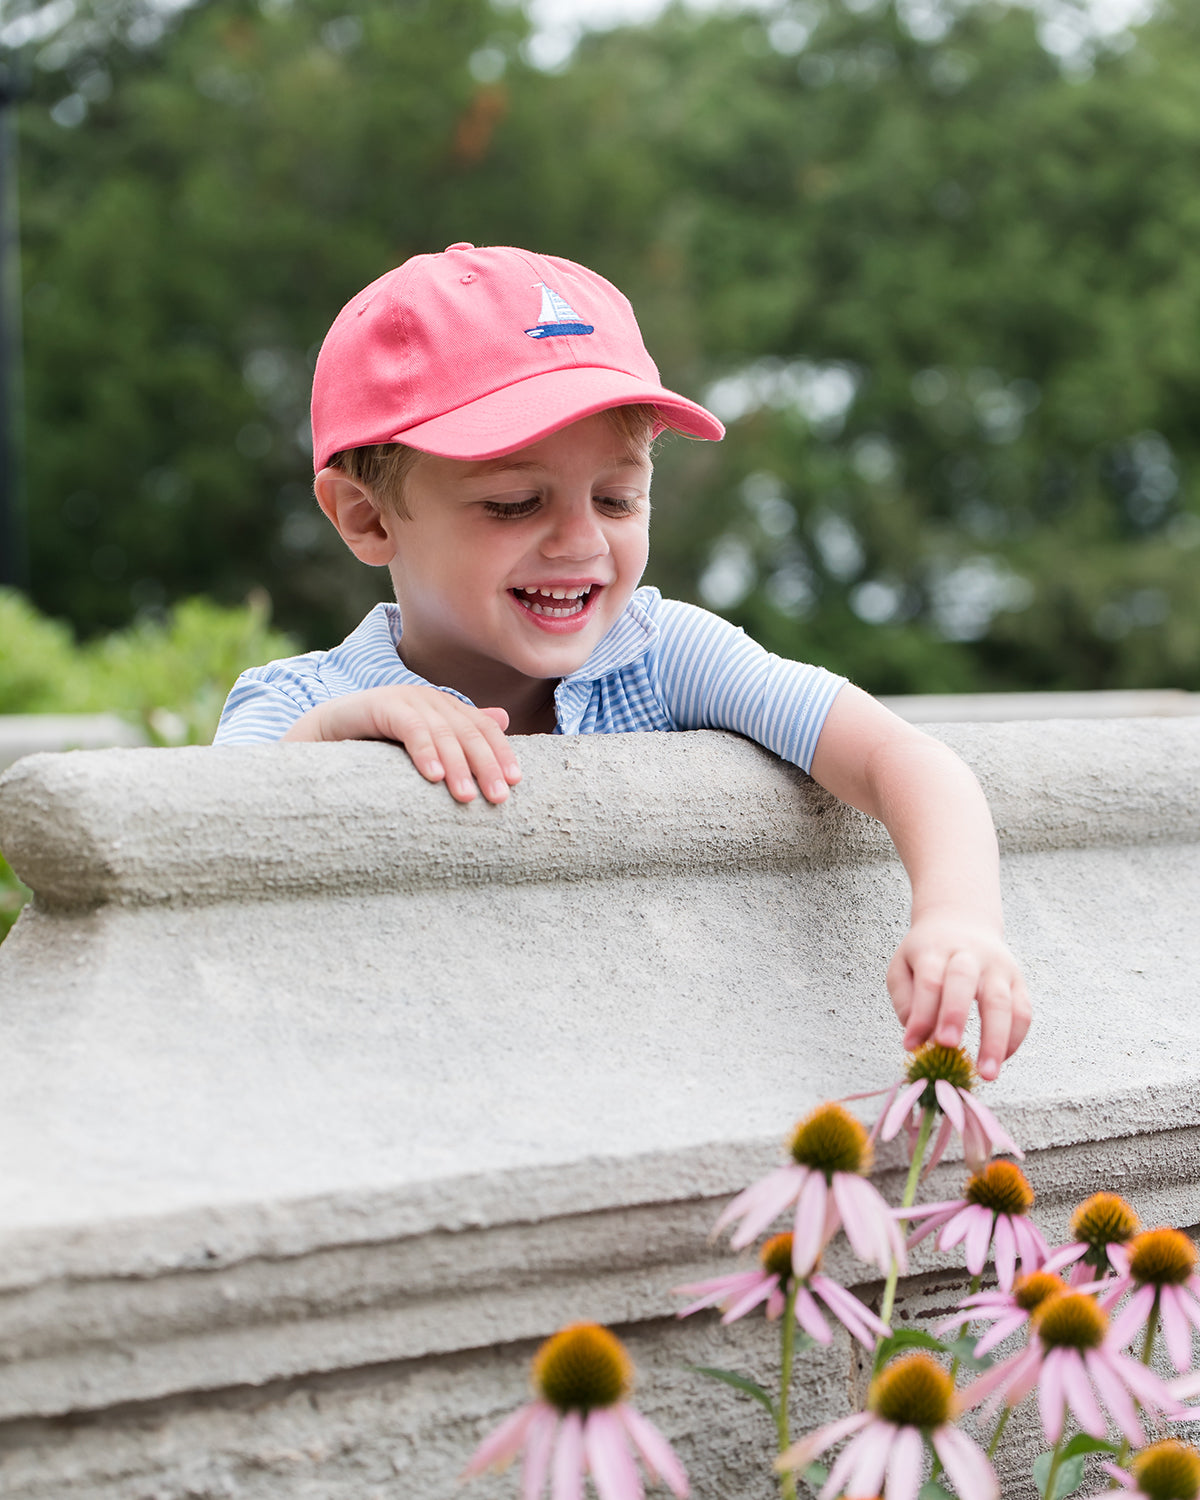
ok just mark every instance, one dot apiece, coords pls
pixel 169 676
pixel 13 896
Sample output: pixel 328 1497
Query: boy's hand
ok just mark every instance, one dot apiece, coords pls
pixel 944 965
pixel 445 738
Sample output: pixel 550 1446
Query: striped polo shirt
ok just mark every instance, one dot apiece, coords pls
pixel 664 665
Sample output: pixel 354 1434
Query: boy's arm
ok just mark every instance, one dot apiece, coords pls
pixel 446 739
pixel 931 804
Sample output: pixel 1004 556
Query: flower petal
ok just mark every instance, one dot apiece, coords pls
pixel 900 1109
pixel 966 1464
pixel 814 1443
pixel 719 1289
pixel 905 1464
pixel 1176 1327
pixel 614 1472
pixel 761 1204
pixel 977 1238
pixel 851 1313
pixel 874 1232
pixel 808 1228
pixel 657 1454
pixel 997 1137
pixel 999 1331
pixel 808 1315
pixel 1052 1399
pixel 1004 1248
pixel 1115 1396
pixel 870 1458
pixel 1059 1259
pixel 503 1444
pixel 952 1105
pixel 944 1136
pixel 566 1481
pixel 538 1448
pixel 1130 1321
pixel 758 1293
pixel 1080 1397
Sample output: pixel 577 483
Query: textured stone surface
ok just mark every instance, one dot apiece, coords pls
pixel 323 1098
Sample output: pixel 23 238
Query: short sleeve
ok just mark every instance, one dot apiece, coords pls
pixel 711 675
pixel 262 706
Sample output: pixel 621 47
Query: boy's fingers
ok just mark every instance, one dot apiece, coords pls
pixel 1022 1015
pixel 960 981
pixel 489 762
pixel 899 986
pixel 492 730
pixel 927 990
pixel 459 780
pixel 996 1019
pixel 499 714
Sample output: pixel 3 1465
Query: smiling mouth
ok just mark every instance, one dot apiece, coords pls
pixel 556 603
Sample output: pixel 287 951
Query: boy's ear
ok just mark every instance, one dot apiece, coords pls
pixel 360 520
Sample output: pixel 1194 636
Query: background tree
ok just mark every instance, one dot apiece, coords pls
pixel 940 286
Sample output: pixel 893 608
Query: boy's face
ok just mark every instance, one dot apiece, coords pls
pixel 486 548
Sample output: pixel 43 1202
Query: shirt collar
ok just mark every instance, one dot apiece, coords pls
pixel 630 636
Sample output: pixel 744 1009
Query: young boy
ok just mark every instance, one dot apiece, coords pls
pixel 482 422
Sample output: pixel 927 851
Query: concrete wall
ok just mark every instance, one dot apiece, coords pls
pixel 322 1098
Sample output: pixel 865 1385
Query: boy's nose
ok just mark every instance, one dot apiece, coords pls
pixel 575 532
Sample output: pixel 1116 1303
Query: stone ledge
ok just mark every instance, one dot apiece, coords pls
pixel 284 821
pixel 386 1116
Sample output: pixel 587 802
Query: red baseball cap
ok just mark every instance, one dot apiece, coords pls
pixel 474 353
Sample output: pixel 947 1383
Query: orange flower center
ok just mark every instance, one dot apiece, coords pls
pixel 831 1140
pixel 776 1256
pixel 912 1391
pixel 1002 1187
pixel 1161 1257
pixel 1032 1290
pixel 1071 1321
pixel 582 1367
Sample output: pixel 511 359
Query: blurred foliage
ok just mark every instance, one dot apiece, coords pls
pixel 170 676
pixel 940 283
pixel 13 896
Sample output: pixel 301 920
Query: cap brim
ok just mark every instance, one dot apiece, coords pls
pixel 531 409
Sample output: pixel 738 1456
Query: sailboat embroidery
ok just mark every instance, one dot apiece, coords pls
pixel 556 316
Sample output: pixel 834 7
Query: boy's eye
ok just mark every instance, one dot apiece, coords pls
pixel 512 511
pixel 615 506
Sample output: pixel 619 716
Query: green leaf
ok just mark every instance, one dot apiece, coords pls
pixel 906 1338
pixel 1070 1471
pixel 738 1382
pixel 932 1490
pixel 963 1349
pixel 1083 1443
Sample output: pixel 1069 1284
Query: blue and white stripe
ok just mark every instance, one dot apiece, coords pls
pixel 663 666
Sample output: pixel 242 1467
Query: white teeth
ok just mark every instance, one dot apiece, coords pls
pixel 534 593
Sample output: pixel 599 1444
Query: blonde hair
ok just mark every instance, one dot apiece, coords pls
pixel 383 467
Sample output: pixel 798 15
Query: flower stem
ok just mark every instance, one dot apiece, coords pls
pixel 787 1481
pixel 1147 1355
pixel 910 1192
pixel 1000 1426
pixel 1055 1464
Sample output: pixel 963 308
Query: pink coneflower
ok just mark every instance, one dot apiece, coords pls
pixel 830 1153
pixel 743 1291
pixel 1160 1267
pixel 942 1078
pixel 581 1423
pixel 1165 1471
pixel 994 1207
pixel 1009 1310
pixel 910 1402
pixel 1099 1224
pixel 1076 1365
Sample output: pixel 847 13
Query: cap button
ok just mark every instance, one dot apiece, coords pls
pixel 462 245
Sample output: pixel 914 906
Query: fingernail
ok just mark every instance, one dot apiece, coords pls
pixel 498 791
pixel 464 789
pixel 436 769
